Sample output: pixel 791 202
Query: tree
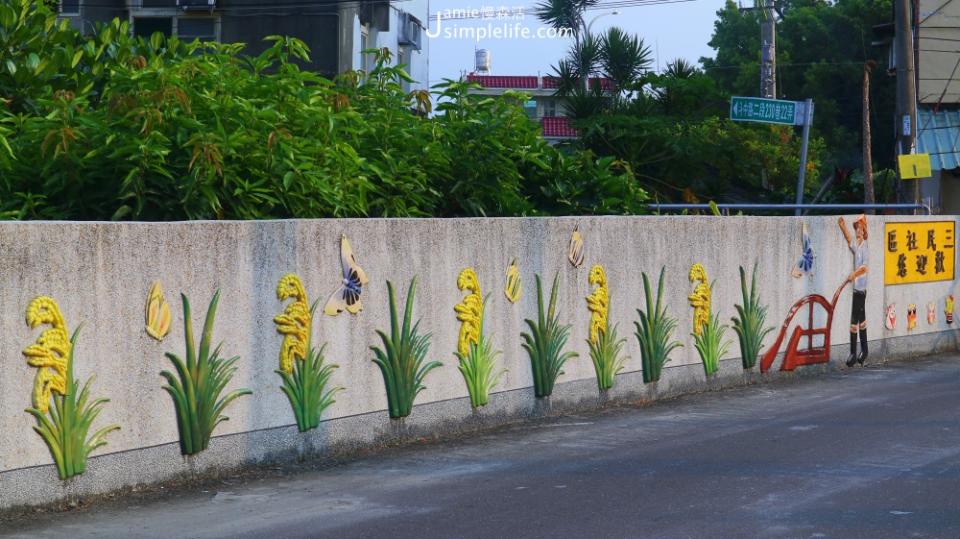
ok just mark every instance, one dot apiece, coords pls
pixel 616 56
pixel 821 49
pixel 113 126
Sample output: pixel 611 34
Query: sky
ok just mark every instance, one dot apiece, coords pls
pixel 678 30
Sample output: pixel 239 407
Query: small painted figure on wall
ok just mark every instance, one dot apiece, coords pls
pixel 861 259
pixel 804 265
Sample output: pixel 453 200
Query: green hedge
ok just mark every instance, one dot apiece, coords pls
pixel 109 126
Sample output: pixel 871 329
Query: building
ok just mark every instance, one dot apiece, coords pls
pixel 938 101
pixel 335 30
pixel 544 105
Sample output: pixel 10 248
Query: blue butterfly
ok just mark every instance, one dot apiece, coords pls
pixel 347 296
pixel 805 262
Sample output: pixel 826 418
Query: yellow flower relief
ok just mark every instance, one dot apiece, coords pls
pixel 598 303
pixel 50 354
pixel 575 247
pixel 469 311
pixel 700 299
pixel 295 322
pixel 157 313
pixel 513 287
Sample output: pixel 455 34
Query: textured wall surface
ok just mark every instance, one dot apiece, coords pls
pixel 100 273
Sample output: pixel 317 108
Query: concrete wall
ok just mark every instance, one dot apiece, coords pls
pixel 100 274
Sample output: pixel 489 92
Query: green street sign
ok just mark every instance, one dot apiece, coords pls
pixel 771 111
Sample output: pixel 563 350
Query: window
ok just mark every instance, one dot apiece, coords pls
pixel 549 108
pixel 190 28
pixel 186 28
pixel 530 107
pixel 147 26
pixel 168 4
pixel 70 8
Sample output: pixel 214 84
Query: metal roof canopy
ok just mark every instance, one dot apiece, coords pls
pixel 939 136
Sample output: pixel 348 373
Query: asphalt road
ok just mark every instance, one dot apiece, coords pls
pixel 871 453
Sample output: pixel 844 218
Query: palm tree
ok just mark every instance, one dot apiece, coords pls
pixel 681 69
pixel 624 59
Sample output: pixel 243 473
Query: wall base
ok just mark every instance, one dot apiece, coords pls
pixel 112 472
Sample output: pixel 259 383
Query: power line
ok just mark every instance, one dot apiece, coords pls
pixel 468 14
pixel 286 4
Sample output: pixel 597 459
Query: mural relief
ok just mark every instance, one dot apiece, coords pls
pixel 605 346
pixel 295 322
pixel 804 265
pixel 812 352
pixel 749 322
pixel 858 315
pixel 65 427
pixel 700 298
pixel 402 359
pixel 201 376
pixel 302 367
pixel 157 313
pixel 513 289
pixel 707 329
pixel 654 330
pixel 575 248
pixel 474 350
pixel 347 296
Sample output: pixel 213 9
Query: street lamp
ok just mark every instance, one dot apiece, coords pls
pixel 593 20
pixel 586 76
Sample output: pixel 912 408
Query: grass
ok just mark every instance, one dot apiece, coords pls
pixel 653 332
pixel 66 424
pixel 607 357
pixel 748 324
pixel 198 383
pixel 478 367
pixel 710 345
pixel 544 344
pixel 401 360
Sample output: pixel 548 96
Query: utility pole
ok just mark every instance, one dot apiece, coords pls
pixel 906 83
pixel 768 51
pixel 768 46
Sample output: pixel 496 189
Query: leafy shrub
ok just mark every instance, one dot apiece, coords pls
pixel 112 126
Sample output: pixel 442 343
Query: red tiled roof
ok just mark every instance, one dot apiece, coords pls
pixel 529 82
pixel 551 82
pixel 605 83
pixel 557 127
pixel 503 81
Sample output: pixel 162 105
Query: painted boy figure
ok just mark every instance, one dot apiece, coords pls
pixel 858 315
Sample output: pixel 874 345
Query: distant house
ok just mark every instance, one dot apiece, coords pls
pixel 544 106
pixel 335 30
pixel 938 99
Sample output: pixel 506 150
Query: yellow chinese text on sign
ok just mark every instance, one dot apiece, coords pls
pixel 919 252
pixel 914 166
